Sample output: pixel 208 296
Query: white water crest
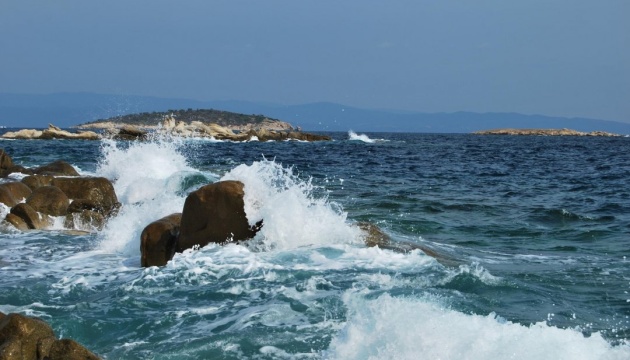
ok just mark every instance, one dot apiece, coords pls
pixel 147 177
pixel 362 137
pixel 414 328
pixel 292 216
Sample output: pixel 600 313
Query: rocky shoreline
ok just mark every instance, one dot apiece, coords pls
pixel 543 132
pixel 265 131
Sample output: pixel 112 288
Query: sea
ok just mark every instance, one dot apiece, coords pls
pixel 532 236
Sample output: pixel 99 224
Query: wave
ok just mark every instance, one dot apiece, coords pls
pixel 409 328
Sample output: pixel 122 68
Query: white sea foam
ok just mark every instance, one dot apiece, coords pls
pixel 362 137
pixel 147 178
pixel 292 215
pixel 412 328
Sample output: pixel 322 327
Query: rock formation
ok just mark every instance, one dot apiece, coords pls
pixel 543 132
pixel 158 240
pixel 29 338
pixel 85 202
pixel 52 132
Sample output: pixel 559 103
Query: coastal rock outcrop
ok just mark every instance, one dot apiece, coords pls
pixel 26 338
pixel 85 202
pixel 159 239
pixel 52 132
pixel 215 213
pixel 543 132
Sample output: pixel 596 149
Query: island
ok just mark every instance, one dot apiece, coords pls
pixel 543 132
pixel 200 123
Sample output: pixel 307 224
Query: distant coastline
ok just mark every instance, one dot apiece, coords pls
pixel 543 132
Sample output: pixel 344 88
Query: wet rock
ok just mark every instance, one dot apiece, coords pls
pixel 29 338
pixel 32 218
pixel 17 222
pixel 14 192
pixel 5 160
pixel 7 166
pixel 36 181
pixel 214 214
pixel 373 235
pixel 86 220
pixel 19 336
pixel 97 190
pixel 130 132
pixel 159 239
pixel 49 200
pixel 57 168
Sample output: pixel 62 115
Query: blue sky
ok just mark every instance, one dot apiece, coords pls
pixel 552 57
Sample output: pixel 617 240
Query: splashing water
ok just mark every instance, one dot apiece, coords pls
pixel 292 216
pixel 148 178
pixel 355 137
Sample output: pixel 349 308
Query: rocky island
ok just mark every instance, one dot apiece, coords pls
pixel 543 132
pixel 216 124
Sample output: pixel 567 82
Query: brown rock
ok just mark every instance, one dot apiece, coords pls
pixel 49 200
pixel 88 220
pixel 35 181
pixel 159 239
pixel 14 192
pixel 5 160
pixel 130 132
pixel 16 221
pixel 19 336
pixel 32 218
pixel 98 190
pixel 214 214
pixel 66 349
pixel 57 168
pixel 373 235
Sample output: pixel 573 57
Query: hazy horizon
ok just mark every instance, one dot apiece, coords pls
pixel 564 58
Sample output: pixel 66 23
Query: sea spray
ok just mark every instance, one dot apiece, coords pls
pixel 391 327
pixel 292 216
pixel 149 178
pixel 356 137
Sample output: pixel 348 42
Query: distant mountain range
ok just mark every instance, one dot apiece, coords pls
pixel 69 109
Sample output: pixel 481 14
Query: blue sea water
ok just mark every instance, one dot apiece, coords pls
pixel 536 231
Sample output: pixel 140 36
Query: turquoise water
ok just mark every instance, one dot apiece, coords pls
pixel 537 230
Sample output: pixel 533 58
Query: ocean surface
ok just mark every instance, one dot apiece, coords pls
pixel 536 231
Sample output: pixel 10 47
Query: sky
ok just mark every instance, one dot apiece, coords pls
pixel 552 57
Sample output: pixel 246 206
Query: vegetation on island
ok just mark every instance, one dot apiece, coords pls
pixel 223 118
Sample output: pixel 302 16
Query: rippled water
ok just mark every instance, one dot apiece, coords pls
pixel 536 230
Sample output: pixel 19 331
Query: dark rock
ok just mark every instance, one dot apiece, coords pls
pixel 32 218
pixel 17 222
pixel 97 190
pixel 130 132
pixel 307 137
pixel 66 349
pixel 28 338
pixel 84 204
pixel 35 181
pixel 214 214
pixel 159 239
pixel 57 168
pixel 19 336
pixel 49 200
pixel 5 160
pixel 373 235
pixel 87 220
pixel 14 192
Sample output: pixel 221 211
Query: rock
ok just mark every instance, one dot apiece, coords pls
pixel 13 192
pixel 543 132
pixel 214 214
pixel 20 335
pixel 49 200
pixel 5 160
pixel 32 218
pixel 29 338
pixel 87 220
pixel 36 181
pixel 97 190
pixel 130 132
pixel 17 222
pixel 52 132
pixel 57 168
pixel 159 239
pixel 373 235
pixel 23 134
